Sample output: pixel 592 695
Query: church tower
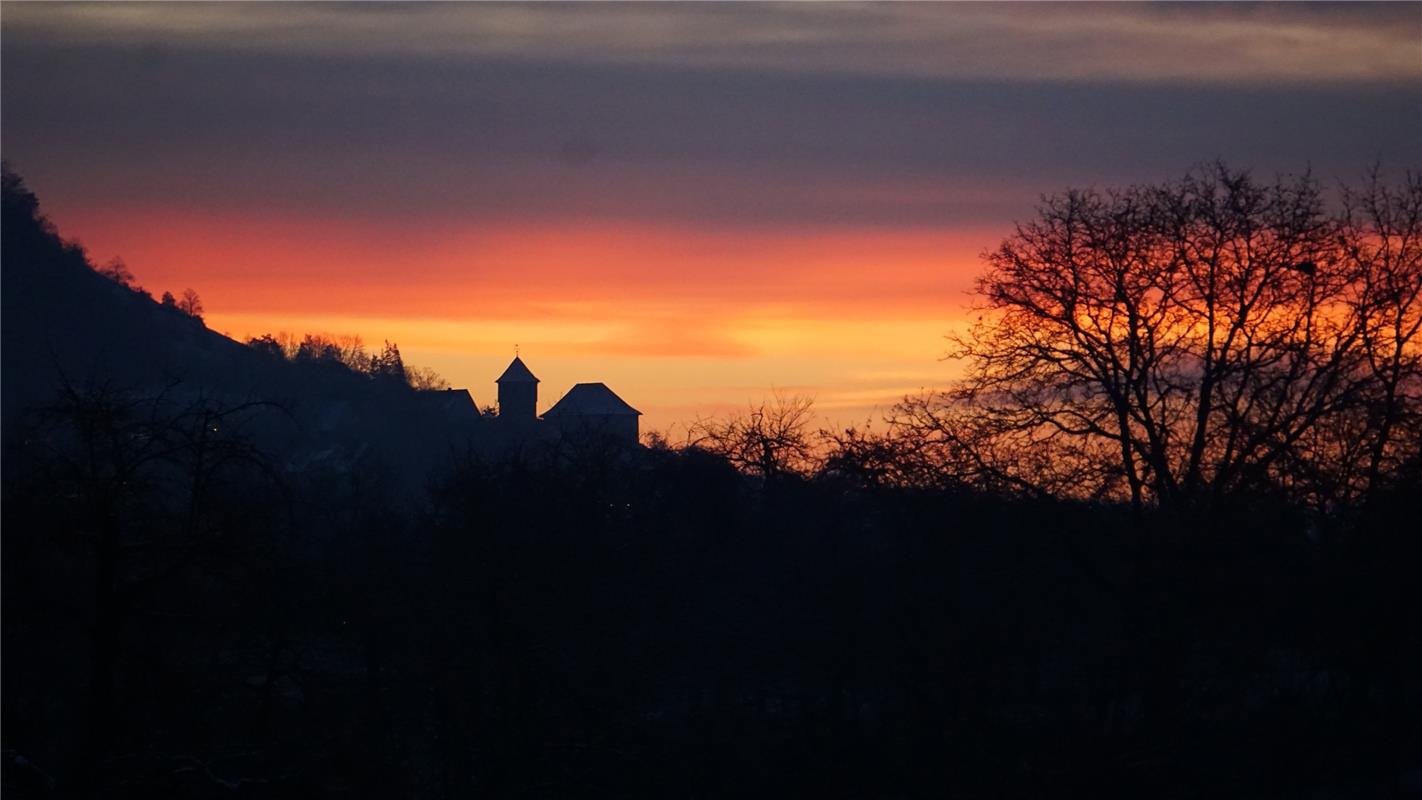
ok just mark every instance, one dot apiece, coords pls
pixel 518 393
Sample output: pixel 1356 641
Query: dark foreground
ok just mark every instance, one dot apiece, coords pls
pixel 662 626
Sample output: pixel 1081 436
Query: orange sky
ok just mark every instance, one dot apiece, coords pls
pixel 697 203
pixel 681 321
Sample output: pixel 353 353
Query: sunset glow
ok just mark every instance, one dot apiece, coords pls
pixel 690 321
pixel 696 206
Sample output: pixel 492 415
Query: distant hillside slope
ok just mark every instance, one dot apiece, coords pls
pixel 61 321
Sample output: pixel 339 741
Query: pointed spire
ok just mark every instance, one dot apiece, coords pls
pixel 517 372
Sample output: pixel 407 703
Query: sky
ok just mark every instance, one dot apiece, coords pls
pixel 699 204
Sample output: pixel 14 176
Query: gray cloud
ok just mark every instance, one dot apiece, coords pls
pixel 1210 43
pixel 271 106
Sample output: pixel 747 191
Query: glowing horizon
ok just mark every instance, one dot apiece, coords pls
pixel 681 322
pixel 697 204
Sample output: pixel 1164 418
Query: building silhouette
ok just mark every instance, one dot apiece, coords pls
pixel 589 411
pixel 518 394
pixel 593 410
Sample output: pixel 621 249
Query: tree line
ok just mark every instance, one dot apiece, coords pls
pixel 348 351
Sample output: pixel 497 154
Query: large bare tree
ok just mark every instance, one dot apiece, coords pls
pixel 1178 344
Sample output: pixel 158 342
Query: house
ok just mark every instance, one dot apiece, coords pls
pixel 593 410
pixel 587 410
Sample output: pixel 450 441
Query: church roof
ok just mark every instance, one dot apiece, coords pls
pixel 517 373
pixel 591 399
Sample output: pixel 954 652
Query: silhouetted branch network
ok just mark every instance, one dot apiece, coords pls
pixel 1180 344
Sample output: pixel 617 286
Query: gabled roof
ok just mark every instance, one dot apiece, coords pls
pixel 517 373
pixel 591 399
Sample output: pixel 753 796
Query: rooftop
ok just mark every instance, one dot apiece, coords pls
pixel 591 399
pixel 517 372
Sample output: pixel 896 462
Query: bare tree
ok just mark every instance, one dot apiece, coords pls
pixel 1180 343
pixel 350 350
pixel 425 379
pixel 936 439
pixel 148 488
pixel 190 304
pixel 897 457
pixel 118 272
pixel 1381 233
pixel 771 439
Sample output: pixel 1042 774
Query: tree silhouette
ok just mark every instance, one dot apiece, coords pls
pixel 149 491
pixel 267 345
pixel 1381 232
pixel 770 439
pixel 348 351
pixel 1182 343
pixel 118 272
pixel 18 199
pixel 190 304
pixel 388 365
pixel 424 379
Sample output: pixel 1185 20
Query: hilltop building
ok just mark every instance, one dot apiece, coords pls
pixel 588 410
pixel 518 394
pixel 592 409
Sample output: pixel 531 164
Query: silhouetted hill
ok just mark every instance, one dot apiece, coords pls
pixel 65 322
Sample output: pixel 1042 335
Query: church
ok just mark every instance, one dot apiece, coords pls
pixel 587 411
